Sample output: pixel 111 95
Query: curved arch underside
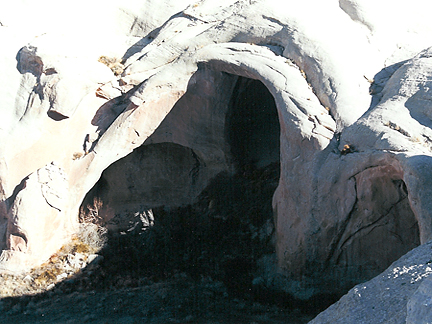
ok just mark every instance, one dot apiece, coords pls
pixel 223 123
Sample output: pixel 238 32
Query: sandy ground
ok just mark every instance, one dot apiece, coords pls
pixel 176 301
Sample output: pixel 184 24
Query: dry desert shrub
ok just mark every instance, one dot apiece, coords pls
pixel 77 156
pixel 90 214
pixel 113 63
pixel 91 237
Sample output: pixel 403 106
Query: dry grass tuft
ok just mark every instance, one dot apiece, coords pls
pixel 91 213
pixel 77 155
pixel 67 262
pixel 113 63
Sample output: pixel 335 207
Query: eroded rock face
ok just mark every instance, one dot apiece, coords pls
pixel 38 208
pixel 224 87
pixel 401 294
pixel 381 216
pixel 223 123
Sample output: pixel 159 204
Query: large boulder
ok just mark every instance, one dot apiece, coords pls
pixel 37 209
pixel 401 294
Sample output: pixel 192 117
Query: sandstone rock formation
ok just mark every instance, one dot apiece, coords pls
pixel 45 192
pixel 401 294
pixel 170 94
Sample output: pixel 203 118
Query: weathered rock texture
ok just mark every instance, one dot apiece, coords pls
pixel 146 103
pixel 401 294
pixel 45 192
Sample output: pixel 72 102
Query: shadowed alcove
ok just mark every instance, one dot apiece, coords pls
pixel 223 124
pixel 252 125
pixel 207 176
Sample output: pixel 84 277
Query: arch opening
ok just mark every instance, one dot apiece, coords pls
pixel 252 124
pixel 208 174
pixel 223 124
pixel 163 174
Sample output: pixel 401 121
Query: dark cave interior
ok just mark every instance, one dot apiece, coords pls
pixel 252 125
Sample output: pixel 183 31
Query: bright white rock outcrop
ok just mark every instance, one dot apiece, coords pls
pixel 156 83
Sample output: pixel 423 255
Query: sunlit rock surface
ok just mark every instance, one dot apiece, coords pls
pixel 401 294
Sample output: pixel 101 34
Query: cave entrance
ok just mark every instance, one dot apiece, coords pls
pixel 252 125
pixel 221 139
pixel 223 123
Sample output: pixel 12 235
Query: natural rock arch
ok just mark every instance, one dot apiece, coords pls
pixel 203 135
